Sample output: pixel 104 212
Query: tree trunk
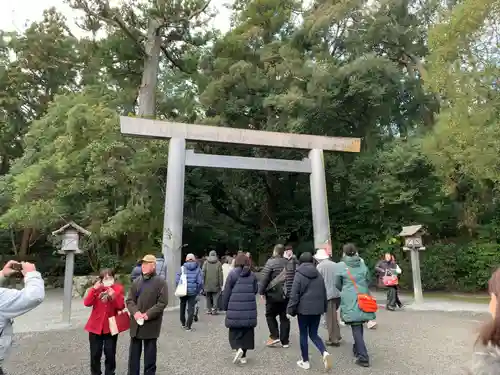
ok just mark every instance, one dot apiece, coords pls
pixel 147 91
pixel 25 243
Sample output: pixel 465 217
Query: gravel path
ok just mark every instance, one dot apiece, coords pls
pixel 405 343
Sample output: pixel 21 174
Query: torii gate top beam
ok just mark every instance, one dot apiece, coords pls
pixel 165 129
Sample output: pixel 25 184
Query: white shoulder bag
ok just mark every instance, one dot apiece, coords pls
pixel 181 290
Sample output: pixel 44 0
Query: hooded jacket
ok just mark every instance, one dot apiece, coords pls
pixel 212 274
pixel 193 276
pixel 14 303
pixel 238 299
pixel 308 295
pixel 349 308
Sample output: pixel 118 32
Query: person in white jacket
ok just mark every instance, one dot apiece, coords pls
pixel 14 303
pixel 227 266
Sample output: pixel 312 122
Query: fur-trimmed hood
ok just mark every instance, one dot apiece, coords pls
pixel 486 361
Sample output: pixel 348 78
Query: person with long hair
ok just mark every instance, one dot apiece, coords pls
pixel 486 359
pixel 106 298
pixel 238 300
pixel 308 301
pixel 398 271
pixel 386 267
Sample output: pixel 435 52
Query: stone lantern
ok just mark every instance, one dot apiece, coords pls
pixel 70 236
pixel 413 242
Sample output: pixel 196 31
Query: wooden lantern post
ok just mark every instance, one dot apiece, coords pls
pixel 70 234
pixel 413 243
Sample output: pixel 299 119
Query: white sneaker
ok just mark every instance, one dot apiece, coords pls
pixel 372 324
pixel 285 345
pixel 243 361
pixel 341 323
pixel 327 361
pixel 237 356
pixel 303 365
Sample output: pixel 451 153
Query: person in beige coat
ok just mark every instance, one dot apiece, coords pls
pixel 227 266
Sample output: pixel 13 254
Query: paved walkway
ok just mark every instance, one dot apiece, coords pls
pixel 48 316
pixel 405 343
pixel 436 304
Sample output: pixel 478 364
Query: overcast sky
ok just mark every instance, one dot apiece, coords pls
pixel 16 14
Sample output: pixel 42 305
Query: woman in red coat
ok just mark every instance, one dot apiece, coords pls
pixel 106 298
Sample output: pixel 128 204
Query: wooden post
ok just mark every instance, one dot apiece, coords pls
pixel 417 280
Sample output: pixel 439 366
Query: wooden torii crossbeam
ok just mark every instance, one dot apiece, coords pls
pixel 179 158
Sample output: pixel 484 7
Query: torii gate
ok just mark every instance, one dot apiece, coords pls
pixel 179 158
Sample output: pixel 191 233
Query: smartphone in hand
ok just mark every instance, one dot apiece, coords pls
pixel 17 267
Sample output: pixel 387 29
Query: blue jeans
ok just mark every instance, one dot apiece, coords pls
pixel 359 348
pixel 308 327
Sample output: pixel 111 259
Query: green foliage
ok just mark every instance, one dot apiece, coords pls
pixel 421 94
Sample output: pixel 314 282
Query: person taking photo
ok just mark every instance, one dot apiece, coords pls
pixel 14 303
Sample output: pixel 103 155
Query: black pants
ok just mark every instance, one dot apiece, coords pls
pixel 274 309
pixel 189 302
pixel 98 344
pixel 134 359
pixel 398 301
pixel 359 347
pixel 391 297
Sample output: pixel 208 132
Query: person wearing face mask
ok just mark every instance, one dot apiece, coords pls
pixel 106 299
pixel 146 301
pixel 290 269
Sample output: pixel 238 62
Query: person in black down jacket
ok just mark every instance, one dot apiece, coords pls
pixel 273 289
pixel 240 305
pixel 308 302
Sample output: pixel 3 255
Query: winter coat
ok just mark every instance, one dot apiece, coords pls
pixel 328 269
pixel 308 295
pixel 226 269
pixel 384 267
pixel 212 274
pixel 194 278
pixel 149 296
pixel 238 299
pixel 291 267
pixel 349 309
pixel 98 322
pixel 14 303
pixel 271 270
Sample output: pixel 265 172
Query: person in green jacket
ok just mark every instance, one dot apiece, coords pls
pixel 355 270
pixel 212 282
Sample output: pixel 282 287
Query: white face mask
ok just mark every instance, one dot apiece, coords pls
pixel 108 282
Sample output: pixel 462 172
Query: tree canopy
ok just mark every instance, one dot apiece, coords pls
pixel 418 81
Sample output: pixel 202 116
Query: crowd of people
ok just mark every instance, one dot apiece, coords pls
pixel 306 288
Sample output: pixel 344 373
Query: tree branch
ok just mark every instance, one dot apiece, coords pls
pixel 199 11
pixel 172 60
pixel 219 206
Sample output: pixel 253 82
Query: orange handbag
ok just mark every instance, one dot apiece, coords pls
pixel 366 302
